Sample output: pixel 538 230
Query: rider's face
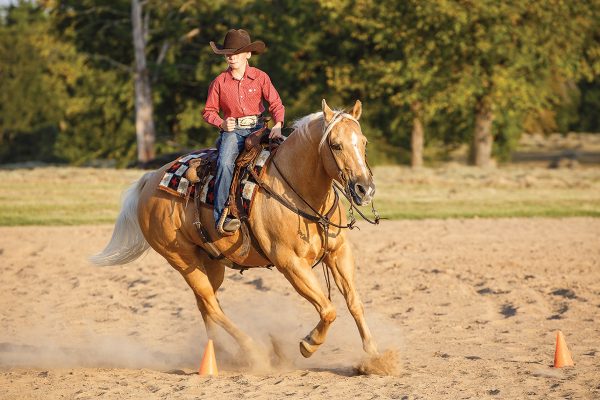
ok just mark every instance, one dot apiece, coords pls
pixel 236 61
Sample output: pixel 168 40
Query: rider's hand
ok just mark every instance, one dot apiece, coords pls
pixel 228 124
pixel 276 131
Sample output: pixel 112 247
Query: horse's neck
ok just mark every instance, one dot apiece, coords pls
pixel 299 161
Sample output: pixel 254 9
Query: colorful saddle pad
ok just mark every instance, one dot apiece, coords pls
pixel 174 181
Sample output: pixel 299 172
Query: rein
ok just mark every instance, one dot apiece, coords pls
pixel 352 207
pixel 324 220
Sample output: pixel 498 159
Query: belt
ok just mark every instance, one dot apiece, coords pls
pixel 246 122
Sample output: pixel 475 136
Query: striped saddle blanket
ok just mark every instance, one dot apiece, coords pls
pixel 174 180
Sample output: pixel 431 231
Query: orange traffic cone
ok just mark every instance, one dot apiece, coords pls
pixel 208 366
pixel 562 355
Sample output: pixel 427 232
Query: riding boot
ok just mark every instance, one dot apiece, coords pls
pixel 231 224
pixel 227 226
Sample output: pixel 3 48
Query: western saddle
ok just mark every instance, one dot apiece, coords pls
pixel 201 170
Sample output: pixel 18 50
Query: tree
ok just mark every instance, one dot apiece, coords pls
pixel 144 118
pixel 511 51
pixel 432 74
pixel 37 72
pixel 98 122
pixel 151 73
pixel 402 57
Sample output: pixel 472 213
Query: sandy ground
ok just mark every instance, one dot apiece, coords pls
pixel 471 307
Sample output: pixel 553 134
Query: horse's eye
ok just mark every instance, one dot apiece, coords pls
pixel 336 146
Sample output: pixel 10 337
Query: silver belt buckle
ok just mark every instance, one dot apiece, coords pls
pixel 247 122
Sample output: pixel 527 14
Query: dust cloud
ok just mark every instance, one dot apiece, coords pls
pixel 278 321
pixel 275 319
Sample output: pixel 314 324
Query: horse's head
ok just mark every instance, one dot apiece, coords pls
pixel 343 148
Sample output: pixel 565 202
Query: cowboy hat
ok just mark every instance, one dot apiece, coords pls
pixel 238 41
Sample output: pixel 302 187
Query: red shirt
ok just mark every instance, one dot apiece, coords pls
pixel 238 98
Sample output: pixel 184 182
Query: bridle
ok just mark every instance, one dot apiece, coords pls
pixel 345 188
pixel 324 220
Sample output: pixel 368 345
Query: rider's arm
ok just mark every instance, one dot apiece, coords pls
pixel 269 93
pixel 211 109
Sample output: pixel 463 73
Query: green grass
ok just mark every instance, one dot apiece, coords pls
pixel 463 192
pixel 76 196
pixel 62 196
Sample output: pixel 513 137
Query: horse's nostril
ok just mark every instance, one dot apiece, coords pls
pixel 360 189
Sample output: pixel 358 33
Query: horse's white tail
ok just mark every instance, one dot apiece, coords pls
pixel 127 242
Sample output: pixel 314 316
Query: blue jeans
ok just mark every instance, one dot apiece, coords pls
pixel 230 144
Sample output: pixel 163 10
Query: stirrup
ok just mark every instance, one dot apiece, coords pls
pixel 229 228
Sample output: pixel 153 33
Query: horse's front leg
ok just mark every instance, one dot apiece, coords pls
pixel 306 284
pixel 341 264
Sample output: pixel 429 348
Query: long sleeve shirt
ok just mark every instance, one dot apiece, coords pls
pixel 244 97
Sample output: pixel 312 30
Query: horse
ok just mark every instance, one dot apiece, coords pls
pixel 324 147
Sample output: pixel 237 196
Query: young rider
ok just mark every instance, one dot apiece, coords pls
pixel 238 93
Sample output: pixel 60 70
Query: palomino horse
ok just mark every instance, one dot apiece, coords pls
pixel 324 147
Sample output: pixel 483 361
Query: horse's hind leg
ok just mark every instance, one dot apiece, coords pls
pixel 306 284
pixel 215 271
pixel 341 264
pixel 193 266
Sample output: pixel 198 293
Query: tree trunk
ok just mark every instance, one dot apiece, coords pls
pixel 483 139
pixel 417 137
pixel 144 123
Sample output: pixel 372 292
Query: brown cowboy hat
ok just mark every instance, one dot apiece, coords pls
pixel 238 41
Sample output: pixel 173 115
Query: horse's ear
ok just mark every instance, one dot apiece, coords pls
pixel 327 112
pixel 357 110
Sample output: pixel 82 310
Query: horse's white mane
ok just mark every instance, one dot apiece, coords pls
pixel 301 125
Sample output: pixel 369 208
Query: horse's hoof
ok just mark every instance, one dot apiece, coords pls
pixel 371 349
pixel 306 349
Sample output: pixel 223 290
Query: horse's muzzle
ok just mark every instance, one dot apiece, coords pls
pixel 362 192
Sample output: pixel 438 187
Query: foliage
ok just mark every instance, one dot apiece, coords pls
pixel 28 72
pixel 66 68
